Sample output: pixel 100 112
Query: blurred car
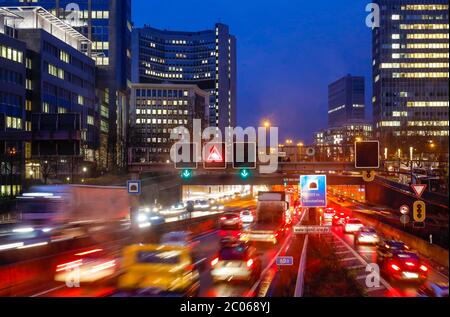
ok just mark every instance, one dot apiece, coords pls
pixel 247 216
pixel 86 267
pixel 157 270
pixel 352 225
pixel 201 205
pixel 219 207
pixel 367 235
pixel 340 218
pixel 177 238
pixel 148 219
pixel 236 261
pixel 340 199
pixel 230 220
pixel 385 248
pixel 430 289
pixel 406 266
pixel 328 214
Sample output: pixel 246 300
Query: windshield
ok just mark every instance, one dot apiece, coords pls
pixel 233 253
pixel 158 257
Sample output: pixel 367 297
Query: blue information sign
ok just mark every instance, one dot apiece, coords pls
pixel 313 190
pixel 285 260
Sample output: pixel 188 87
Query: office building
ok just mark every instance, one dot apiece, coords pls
pixel 157 109
pixel 12 108
pixel 337 143
pixel 346 101
pixel 206 59
pixel 107 24
pixel 59 107
pixel 410 77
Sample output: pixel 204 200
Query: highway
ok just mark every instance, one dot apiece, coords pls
pixel 271 282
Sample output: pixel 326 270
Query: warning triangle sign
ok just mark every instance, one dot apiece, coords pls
pixel 214 155
pixel 419 189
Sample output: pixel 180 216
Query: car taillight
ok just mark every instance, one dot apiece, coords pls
pixel 423 268
pixel 250 263
pixel 410 264
pixel 214 262
pixel 395 267
pixel 68 265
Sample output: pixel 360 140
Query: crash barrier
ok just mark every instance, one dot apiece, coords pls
pixel 431 251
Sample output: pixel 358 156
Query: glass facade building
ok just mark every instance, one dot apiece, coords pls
pixel 410 76
pixel 346 101
pixel 206 59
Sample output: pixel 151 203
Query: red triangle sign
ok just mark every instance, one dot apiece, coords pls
pixel 214 155
pixel 419 189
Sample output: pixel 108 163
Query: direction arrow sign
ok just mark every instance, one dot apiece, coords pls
pixel 419 189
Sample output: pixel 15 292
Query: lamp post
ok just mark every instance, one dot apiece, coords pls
pixel 12 152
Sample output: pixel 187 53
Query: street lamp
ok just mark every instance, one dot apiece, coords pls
pixel 85 169
pixel 266 124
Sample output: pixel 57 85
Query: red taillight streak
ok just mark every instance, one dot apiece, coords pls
pixel 89 252
pixel 69 265
pixel 214 262
pixel 423 268
pixel 395 267
pixel 250 263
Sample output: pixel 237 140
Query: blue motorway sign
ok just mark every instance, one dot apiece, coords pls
pixel 285 260
pixel 313 190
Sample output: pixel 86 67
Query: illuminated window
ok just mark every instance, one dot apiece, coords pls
pixel 428 104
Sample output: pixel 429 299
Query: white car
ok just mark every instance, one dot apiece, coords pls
pixel 367 235
pixel 247 216
pixel 352 225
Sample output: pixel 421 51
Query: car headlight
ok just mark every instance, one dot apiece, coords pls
pixel 141 218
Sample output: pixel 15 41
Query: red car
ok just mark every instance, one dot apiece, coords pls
pixel 340 218
pixel 405 266
pixel 231 220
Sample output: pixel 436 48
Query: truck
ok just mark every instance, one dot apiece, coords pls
pixel 271 219
pixel 60 206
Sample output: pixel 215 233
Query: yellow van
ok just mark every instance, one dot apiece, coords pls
pixel 158 270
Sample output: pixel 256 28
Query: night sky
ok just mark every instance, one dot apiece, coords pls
pixel 288 52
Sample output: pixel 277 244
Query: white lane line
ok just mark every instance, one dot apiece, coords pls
pixel 361 277
pixel 48 291
pixel 383 281
pixel 348 259
pixel 374 289
pixel 288 239
pixel 342 252
pixel 301 270
pixel 357 267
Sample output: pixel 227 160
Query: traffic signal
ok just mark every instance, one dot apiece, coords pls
pixel 367 154
pixel 244 155
pixel 244 173
pixel 186 174
pixel 214 156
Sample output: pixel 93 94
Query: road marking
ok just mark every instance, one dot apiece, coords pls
pixel 357 267
pixel 348 259
pixel 385 284
pixel 342 252
pixel 361 277
pixel 374 289
pixel 301 270
pixel 48 291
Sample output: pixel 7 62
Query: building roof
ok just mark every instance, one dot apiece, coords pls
pixel 24 12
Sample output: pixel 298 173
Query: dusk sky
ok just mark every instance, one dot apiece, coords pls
pixel 288 52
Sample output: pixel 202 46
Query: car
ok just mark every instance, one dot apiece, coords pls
pixel 386 247
pixel 430 289
pixel 86 266
pixel 339 219
pixel 201 205
pixel 156 270
pixel 236 262
pixel 352 225
pixel 247 216
pixel 177 238
pixel 149 219
pixel 328 214
pixel 405 266
pixel 218 207
pixel 367 235
pixel 230 220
